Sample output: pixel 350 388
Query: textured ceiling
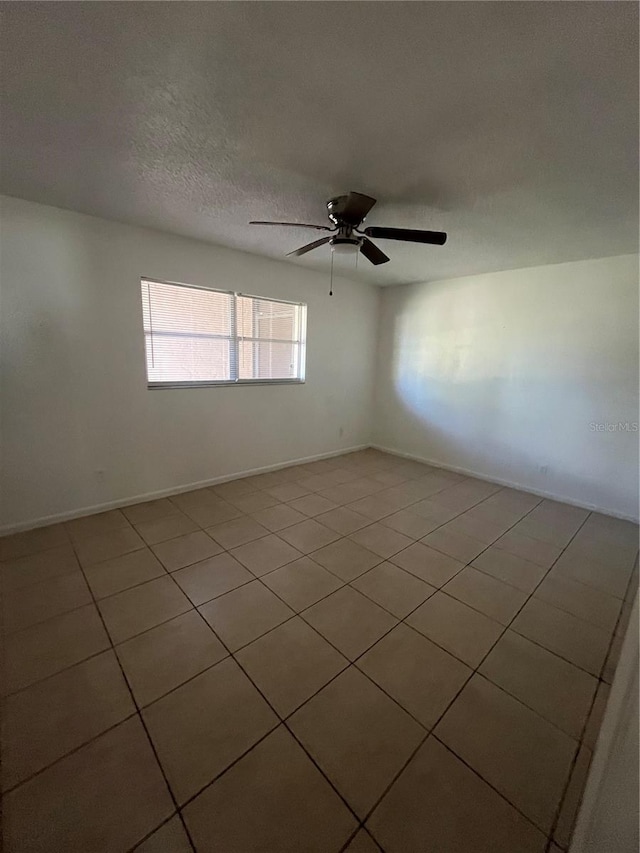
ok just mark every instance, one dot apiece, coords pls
pixel 513 126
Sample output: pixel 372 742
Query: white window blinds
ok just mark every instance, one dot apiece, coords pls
pixel 197 336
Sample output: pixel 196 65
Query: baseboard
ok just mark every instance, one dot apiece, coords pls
pixel 468 472
pixel 44 521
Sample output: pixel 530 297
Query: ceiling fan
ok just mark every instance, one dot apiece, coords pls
pixel 347 213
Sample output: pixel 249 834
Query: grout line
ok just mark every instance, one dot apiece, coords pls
pixel 299 613
pixel 141 718
pixel 431 730
pixel 476 671
pixel 281 721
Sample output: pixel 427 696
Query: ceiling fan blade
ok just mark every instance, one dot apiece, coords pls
pixel 350 209
pixel 304 249
pixel 373 253
pixel 294 225
pixel 357 206
pixel 408 235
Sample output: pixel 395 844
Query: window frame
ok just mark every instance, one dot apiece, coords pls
pixel 234 342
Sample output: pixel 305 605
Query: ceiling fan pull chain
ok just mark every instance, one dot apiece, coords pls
pixel 331 279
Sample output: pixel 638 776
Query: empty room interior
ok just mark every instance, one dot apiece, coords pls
pixel 319 427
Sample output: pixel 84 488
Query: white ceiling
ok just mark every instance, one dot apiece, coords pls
pixel 513 126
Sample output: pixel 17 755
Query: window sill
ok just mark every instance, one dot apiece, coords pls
pixel 156 386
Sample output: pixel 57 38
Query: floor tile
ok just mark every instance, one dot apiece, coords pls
pixel 186 550
pixel 265 555
pixel 555 689
pixel 419 675
pixel 31 541
pixel 278 517
pixel 349 492
pixel 393 588
pixel 346 559
pixel 44 649
pixel 254 502
pixel 168 655
pixel 149 511
pixel 343 520
pixel 492 597
pixel 433 510
pixel 498 509
pixel 106 546
pixel 121 573
pixel 161 529
pixel 351 622
pixel 580 600
pixel 535 677
pixel 308 536
pixel 96 525
pixel 457 545
pixel 35 568
pixel 592 729
pixel 246 613
pixel 312 505
pixel 359 737
pixel 615 530
pixel 557 534
pixel 170 838
pixel 234 488
pixel 197 497
pixel 213 512
pixel 513 500
pixel 381 540
pixel 290 664
pixel 439 804
pixel 142 607
pixel 29 605
pixel 49 719
pixel 542 553
pixel 252 809
pixel 241 530
pixel 477 527
pixel 362 843
pixel 390 478
pixel 518 752
pixel 410 524
pixel 428 564
pixel 573 639
pixel 111 793
pixel 374 507
pixel 515 571
pixel 457 628
pixel 287 492
pixel 302 583
pixel 316 482
pixel 210 578
pixel 572 798
pixel 199 729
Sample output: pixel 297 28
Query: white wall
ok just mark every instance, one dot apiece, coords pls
pixel 503 374
pixel 79 427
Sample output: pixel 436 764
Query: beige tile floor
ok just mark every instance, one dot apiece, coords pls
pixel 359 654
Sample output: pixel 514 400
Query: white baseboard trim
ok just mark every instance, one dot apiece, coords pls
pixel 44 521
pixel 499 482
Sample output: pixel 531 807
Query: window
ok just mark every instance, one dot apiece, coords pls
pixel 197 336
